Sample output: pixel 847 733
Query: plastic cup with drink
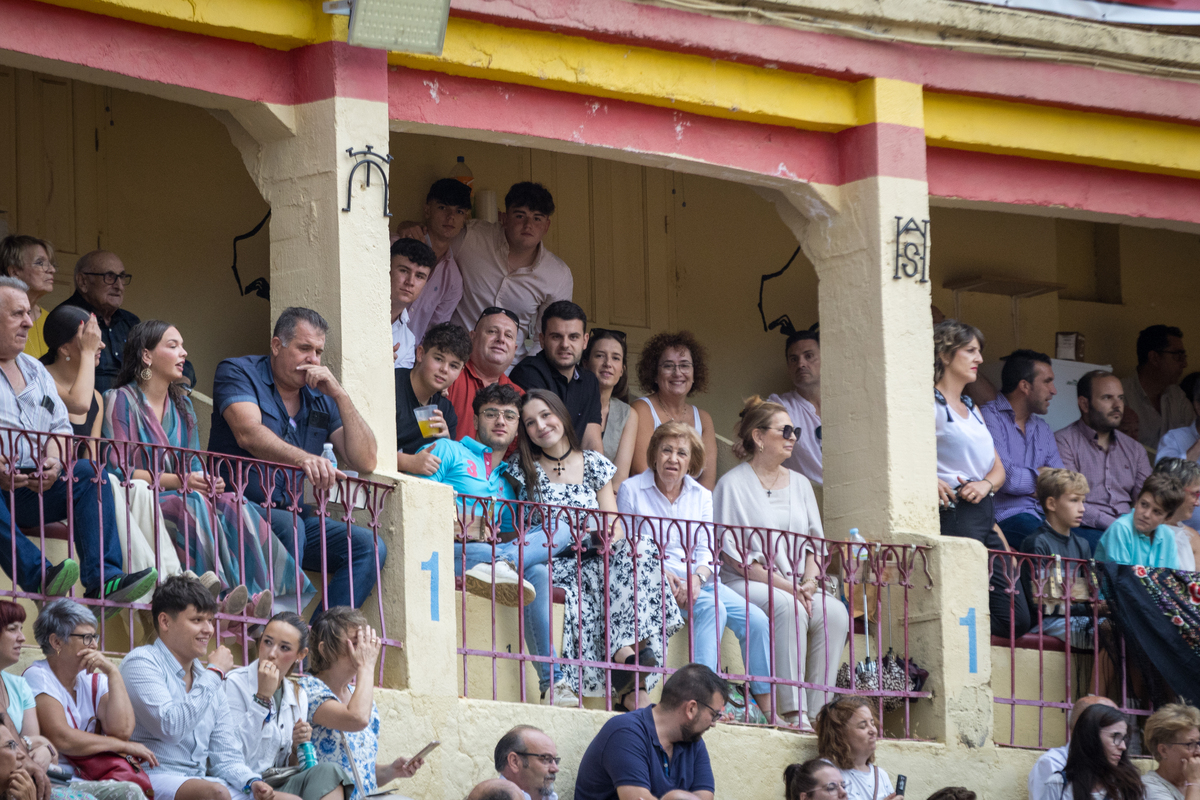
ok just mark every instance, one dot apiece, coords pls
pixel 424 416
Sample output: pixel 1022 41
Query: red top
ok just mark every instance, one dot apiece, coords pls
pixel 461 394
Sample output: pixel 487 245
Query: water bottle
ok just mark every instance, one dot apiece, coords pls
pixel 328 454
pixel 462 172
pixel 306 755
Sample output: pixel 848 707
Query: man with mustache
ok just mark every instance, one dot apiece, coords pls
pixel 1114 464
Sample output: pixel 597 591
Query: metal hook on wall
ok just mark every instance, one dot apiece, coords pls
pixel 369 158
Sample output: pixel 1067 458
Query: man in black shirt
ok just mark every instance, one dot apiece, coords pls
pixel 556 368
pixel 440 357
pixel 100 281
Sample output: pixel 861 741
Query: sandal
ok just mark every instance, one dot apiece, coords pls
pixel 629 680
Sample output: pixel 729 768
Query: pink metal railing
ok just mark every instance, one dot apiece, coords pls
pixel 240 475
pixel 1050 585
pixel 847 567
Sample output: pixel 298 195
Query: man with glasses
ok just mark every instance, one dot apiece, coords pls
pixel 100 281
pixel 527 757
pixel 493 347
pixel 1152 391
pixel 475 467
pixel 1054 759
pixel 658 749
pixel 803 403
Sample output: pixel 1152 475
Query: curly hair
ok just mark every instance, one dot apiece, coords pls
pixel 950 336
pixel 659 343
pixel 677 430
pixel 831 724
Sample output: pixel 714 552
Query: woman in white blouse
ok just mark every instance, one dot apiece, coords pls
pixel 969 469
pixel 665 498
pixel 271 714
pixel 847 733
pixel 811 624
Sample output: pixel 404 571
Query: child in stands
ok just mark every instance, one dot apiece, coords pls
pixel 1140 537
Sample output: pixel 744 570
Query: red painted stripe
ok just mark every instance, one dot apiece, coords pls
pixel 847 58
pixel 189 60
pixel 881 148
pixel 1015 180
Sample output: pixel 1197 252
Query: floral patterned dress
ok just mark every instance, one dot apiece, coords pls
pixel 653 615
pixel 328 742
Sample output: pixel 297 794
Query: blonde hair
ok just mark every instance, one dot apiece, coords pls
pixel 1168 722
pixel 950 336
pixel 1057 482
pixel 678 430
pixel 755 415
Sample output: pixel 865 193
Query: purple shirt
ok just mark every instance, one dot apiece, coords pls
pixel 1021 454
pixel 1114 476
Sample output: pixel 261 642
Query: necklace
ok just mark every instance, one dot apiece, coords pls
pixel 774 483
pixel 558 462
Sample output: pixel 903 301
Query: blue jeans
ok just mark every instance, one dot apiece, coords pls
pixel 92 524
pixel 538 633
pixel 340 561
pixel 711 616
pixel 1019 526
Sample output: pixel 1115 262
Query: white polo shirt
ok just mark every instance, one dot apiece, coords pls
pixel 806 455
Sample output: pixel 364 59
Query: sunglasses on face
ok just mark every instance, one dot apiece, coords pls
pixel 787 431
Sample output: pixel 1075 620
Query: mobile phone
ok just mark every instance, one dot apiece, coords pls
pixel 901 782
pixel 429 748
pixel 27 470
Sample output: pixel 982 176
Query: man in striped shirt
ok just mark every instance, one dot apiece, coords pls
pixel 180 705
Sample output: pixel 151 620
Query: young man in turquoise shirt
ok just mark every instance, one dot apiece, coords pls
pixel 1140 538
pixel 475 467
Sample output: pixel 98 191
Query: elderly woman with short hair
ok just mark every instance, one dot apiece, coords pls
pixel 83 707
pixel 669 491
pixel 1172 735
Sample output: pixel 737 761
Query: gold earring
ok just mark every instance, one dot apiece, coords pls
pixel 145 374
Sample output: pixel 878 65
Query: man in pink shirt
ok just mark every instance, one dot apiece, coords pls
pixel 447 207
pixel 504 264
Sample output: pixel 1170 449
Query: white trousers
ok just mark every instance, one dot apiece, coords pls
pixel 808 645
pixel 133 531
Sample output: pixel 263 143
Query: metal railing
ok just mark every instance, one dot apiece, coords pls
pixel 1064 596
pixel 225 514
pixel 594 553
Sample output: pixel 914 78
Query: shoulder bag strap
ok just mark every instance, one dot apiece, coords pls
pixel 875 791
pixel 358 781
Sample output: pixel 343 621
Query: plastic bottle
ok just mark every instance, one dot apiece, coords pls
pixel 306 755
pixel 328 454
pixel 462 172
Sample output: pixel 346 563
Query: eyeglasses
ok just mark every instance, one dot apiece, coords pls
pixel 492 414
pixel 487 312
pixel 787 431
pixel 833 787
pixel 600 333
pixel 11 744
pixel 1180 354
pixel 1193 746
pixel 44 264
pixel 1120 738
pixel 111 278
pixel 716 714
pixel 545 758
pixel 671 366
pixel 89 639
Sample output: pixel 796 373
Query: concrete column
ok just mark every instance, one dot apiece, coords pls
pixel 329 260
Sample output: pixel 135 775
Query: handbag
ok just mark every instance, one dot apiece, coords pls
pixel 109 766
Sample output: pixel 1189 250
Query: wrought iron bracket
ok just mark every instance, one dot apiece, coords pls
pixel 368 158
pixel 912 246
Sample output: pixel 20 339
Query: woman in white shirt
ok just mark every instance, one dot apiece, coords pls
pixel 664 494
pixel 847 732
pixel 1098 764
pixel 969 469
pixel 272 713
pixel 810 622
pixel 1172 736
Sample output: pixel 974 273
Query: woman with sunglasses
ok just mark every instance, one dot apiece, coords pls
pixel 674 366
pixel 82 704
pixel 969 469
pixel 1172 736
pixel 816 779
pixel 605 356
pixel 1098 764
pixel 810 623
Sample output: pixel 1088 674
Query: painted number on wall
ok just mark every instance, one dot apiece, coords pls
pixel 972 653
pixel 432 566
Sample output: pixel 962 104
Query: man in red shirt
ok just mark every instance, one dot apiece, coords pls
pixel 493 347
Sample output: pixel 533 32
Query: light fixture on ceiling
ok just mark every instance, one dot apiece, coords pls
pixel 407 26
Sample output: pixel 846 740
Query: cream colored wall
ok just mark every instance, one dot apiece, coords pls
pixel 157 182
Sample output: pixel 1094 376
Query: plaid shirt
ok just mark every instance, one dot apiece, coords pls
pixel 36 408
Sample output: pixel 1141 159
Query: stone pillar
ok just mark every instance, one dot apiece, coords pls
pixel 329 260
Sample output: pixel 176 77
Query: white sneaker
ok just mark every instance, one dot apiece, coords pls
pixel 480 578
pixel 563 696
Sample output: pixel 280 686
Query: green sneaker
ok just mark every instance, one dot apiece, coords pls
pixel 124 588
pixel 61 577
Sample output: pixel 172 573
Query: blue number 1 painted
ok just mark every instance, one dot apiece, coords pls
pixel 432 566
pixel 969 622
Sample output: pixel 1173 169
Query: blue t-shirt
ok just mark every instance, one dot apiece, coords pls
pixel 464 468
pixel 1123 544
pixel 626 752
pixel 249 379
